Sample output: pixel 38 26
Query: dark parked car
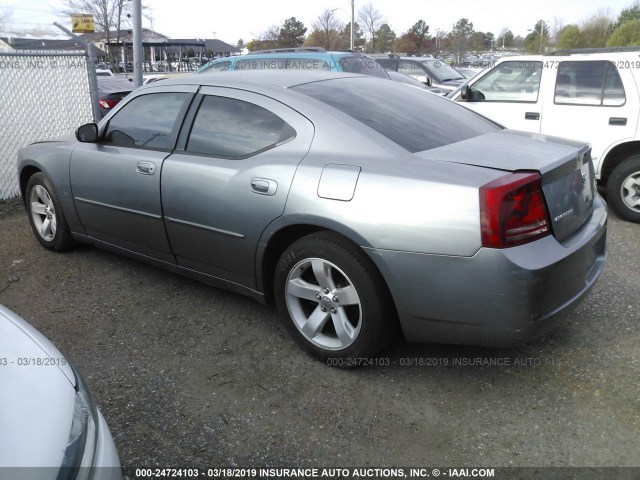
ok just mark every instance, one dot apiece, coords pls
pixel 315 191
pixel 111 90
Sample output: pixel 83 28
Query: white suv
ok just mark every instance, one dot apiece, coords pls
pixel 587 95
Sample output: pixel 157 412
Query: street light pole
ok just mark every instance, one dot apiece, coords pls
pixel 542 23
pixel 352 21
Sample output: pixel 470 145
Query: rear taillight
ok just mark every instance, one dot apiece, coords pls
pixel 108 102
pixel 513 211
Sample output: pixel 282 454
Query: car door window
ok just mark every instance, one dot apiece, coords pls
pixel 147 121
pixel 231 128
pixel 517 81
pixel 589 83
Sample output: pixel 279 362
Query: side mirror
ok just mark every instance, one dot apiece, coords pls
pixel 424 79
pixel 87 133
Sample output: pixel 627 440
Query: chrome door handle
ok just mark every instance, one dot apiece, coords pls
pixel 146 168
pixel 263 186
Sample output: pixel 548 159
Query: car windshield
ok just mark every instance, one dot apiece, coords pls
pixel 441 72
pixel 414 119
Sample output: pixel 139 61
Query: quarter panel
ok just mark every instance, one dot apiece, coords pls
pixel 404 203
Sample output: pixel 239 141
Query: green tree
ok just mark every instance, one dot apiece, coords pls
pixel 358 37
pixel 538 38
pixel 595 31
pixel 385 36
pixel 481 41
pixel 626 15
pixel 460 36
pixel 626 35
pixel 240 44
pixel 505 40
pixel 292 33
pixel 420 30
pixel 569 37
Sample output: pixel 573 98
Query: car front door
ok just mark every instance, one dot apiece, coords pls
pixel 510 95
pixel 116 181
pixel 229 178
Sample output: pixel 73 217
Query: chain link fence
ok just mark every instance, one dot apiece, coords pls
pixel 43 95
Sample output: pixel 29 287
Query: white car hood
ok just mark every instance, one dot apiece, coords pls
pixel 36 401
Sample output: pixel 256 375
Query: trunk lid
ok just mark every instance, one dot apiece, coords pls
pixel 568 175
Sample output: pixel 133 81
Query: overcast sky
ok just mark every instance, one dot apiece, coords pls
pixel 232 20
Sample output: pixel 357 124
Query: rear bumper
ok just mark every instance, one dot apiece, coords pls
pixel 497 297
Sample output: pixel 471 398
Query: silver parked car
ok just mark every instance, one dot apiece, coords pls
pixel 355 204
pixel 50 427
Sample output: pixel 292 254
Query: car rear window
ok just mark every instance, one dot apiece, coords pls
pixel 231 128
pixel 363 65
pixel 414 119
pixel 281 63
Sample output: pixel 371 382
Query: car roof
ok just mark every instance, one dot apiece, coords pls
pixel 257 78
pixel 557 56
pixel 304 54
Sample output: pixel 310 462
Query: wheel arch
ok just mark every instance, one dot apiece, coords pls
pixel 25 174
pixel 276 241
pixel 615 156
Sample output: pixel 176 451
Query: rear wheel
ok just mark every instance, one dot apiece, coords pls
pixel 623 189
pixel 45 214
pixel 333 300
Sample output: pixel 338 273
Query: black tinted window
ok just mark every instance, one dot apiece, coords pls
pixel 414 119
pixel 230 128
pixel 589 83
pixel 147 121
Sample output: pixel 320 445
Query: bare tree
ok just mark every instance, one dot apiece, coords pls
pixel 109 16
pixel 327 30
pixel 5 17
pixel 371 20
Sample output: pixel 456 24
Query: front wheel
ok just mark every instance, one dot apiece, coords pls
pixel 332 299
pixel 623 189
pixel 45 214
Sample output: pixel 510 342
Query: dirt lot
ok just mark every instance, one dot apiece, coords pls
pixel 187 375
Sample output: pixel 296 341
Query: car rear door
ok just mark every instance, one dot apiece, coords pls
pixel 229 178
pixel 116 181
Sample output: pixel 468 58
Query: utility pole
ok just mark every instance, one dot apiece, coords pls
pixel 137 43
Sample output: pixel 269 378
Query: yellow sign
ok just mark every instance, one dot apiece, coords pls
pixel 82 23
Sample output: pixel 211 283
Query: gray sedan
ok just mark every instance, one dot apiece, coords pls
pixel 357 205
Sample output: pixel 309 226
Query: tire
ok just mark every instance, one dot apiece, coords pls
pixel 623 189
pixel 45 214
pixel 332 300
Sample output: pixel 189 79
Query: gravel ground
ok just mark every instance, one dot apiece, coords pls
pixel 188 375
